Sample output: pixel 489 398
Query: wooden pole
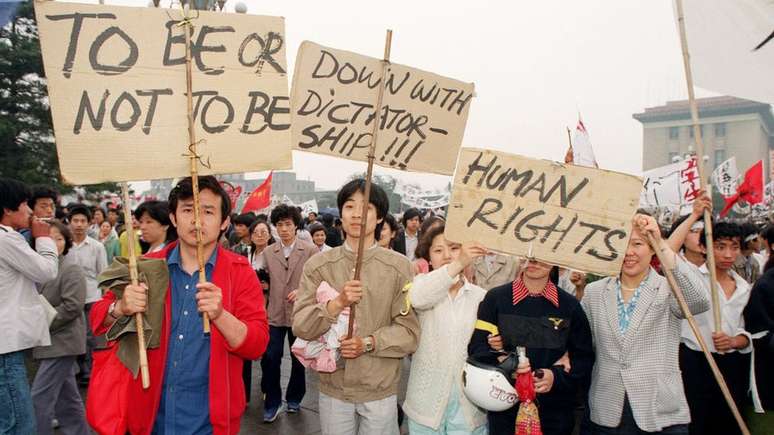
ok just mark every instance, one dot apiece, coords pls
pixel 692 323
pixel 369 175
pixel 193 158
pixel 700 164
pixel 134 276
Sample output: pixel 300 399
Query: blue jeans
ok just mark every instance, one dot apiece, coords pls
pixel 16 413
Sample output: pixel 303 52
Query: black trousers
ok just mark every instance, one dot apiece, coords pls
pixel 709 411
pixel 271 363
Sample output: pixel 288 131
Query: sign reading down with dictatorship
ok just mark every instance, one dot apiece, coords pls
pixel 117 87
pixel 334 98
pixel 572 216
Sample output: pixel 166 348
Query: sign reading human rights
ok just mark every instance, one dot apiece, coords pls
pixel 117 87
pixel 571 216
pixel 333 105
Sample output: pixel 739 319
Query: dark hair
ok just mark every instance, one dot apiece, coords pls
pixel 426 241
pixel 430 222
pixel 101 210
pixel 159 212
pixel 284 211
pixel 40 192
pixel 327 219
pixel 245 219
pixel 262 217
pixel 116 210
pixel 78 209
pixel 723 230
pixel 12 194
pixel 411 214
pixel 312 213
pixel 390 221
pixel 184 190
pixel 315 227
pixel 65 230
pixel 768 234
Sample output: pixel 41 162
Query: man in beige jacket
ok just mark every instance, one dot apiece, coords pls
pixel 284 260
pixel 360 397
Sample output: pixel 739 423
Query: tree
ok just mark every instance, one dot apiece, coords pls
pixel 27 150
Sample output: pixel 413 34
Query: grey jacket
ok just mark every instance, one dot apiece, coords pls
pixel 504 270
pixel 643 362
pixel 66 293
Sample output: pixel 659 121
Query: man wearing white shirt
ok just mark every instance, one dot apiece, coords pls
pixel 22 317
pixel 90 255
pixel 730 347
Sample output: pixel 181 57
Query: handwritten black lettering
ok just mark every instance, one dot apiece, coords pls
pixel 266 51
pixel 72 46
pixel 123 66
pixel 480 214
pixel 85 108
pixel 276 106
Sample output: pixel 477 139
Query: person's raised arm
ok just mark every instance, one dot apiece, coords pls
pixel 677 238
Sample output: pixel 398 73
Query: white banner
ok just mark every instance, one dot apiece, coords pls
pixel 672 185
pixel 726 177
pixel 308 206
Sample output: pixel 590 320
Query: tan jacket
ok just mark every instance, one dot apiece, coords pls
pixel 504 270
pixel 374 375
pixel 284 275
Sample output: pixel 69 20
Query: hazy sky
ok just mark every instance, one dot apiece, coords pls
pixel 535 66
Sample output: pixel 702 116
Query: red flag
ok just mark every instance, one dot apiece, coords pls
pixel 260 198
pixel 750 190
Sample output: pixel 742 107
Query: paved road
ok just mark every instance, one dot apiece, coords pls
pixel 306 422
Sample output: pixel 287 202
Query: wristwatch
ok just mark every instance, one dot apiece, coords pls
pixel 369 344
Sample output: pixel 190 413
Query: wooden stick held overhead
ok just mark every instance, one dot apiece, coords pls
pixel 700 163
pixel 194 157
pixel 369 175
pixel 704 349
pixel 134 276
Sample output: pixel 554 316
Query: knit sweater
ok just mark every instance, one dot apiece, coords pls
pixel 447 324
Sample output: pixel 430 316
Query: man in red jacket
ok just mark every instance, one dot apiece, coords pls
pixel 196 378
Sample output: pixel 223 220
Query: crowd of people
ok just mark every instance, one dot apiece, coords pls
pixel 607 355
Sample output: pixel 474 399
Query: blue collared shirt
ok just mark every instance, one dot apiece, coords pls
pixel 184 406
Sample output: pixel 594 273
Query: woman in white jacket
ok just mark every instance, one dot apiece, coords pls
pixel 446 304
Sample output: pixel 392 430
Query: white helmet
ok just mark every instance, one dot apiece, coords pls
pixel 486 381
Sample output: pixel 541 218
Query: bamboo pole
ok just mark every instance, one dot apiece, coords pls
pixel 700 163
pixel 369 175
pixel 704 349
pixel 134 276
pixel 194 157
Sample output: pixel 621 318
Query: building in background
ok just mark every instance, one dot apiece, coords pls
pixel 730 127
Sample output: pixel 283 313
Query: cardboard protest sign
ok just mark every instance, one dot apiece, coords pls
pixel 117 87
pixel 572 216
pixel 673 185
pixel 333 103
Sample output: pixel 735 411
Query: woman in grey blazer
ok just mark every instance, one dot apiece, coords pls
pixel 636 386
pixel 54 391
